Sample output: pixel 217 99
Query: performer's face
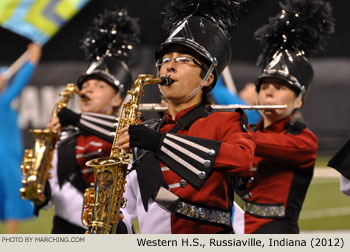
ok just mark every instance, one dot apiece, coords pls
pixel 274 92
pixel 102 97
pixel 186 76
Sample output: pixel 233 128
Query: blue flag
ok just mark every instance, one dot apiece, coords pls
pixel 37 20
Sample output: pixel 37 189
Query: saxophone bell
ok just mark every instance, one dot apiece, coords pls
pixel 36 162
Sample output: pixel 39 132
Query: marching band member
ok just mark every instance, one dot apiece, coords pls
pixel 91 134
pixel 186 164
pixel 285 149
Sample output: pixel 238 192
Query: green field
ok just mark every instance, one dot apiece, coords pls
pixel 325 209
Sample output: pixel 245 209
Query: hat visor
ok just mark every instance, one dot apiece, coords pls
pixel 287 80
pixel 99 75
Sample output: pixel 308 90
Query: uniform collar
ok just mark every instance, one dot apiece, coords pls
pixel 169 119
pixel 278 126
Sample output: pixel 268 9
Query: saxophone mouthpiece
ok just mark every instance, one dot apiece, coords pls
pixel 166 80
pixel 84 97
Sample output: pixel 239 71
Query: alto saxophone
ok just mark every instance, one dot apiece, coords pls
pixel 103 201
pixel 37 162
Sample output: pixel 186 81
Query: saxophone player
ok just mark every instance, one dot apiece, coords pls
pixel 89 134
pixel 190 159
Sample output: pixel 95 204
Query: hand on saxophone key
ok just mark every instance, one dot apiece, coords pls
pixel 54 124
pixel 139 136
pixel 124 138
pixel 144 137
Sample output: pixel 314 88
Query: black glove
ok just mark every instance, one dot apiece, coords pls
pixel 68 117
pixel 144 137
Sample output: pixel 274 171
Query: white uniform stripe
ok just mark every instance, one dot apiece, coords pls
pixel 174 185
pixel 96 128
pixel 184 151
pixel 87 170
pixel 194 145
pixel 89 154
pixel 164 169
pixel 94 143
pixel 99 121
pixel 109 117
pixel 180 160
pixel 97 144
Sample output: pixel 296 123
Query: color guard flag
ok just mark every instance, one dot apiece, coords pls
pixel 37 20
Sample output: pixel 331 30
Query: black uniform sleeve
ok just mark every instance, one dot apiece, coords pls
pixel 341 160
pixel 100 125
pixel 121 228
pixel 190 157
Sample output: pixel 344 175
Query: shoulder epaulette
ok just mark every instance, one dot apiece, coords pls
pixel 152 123
pixel 295 127
pixel 244 120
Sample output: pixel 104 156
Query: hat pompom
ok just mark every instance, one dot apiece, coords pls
pixel 302 25
pixel 113 34
pixel 224 13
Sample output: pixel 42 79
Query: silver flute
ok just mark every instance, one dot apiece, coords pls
pixel 156 107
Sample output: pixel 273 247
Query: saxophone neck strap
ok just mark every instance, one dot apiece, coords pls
pixel 186 121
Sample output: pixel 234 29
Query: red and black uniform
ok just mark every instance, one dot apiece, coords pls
pixel 197 164
pixel 282 170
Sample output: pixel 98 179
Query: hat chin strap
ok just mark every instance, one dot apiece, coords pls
pixel 292 108
pixel 200 86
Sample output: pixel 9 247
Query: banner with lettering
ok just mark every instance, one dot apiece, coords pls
pixel 37 20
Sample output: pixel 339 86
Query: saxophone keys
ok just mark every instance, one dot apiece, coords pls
pixel 90 195
pixel 22 193
pixel 32 179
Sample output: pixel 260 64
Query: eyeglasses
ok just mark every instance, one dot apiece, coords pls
pixel 188 60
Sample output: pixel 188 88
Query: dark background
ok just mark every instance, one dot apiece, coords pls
pixel 65 44
pixel 326 107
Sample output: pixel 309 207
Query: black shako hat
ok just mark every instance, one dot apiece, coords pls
pixel 113 71
pixel 108 44
pixel 203 27
pixel 301 29
pixel 292 67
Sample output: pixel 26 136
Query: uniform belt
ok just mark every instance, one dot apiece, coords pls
pixel 264 210
pixel 204 214
pixel 175 205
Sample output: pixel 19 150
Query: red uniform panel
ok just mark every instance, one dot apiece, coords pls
pixel 283 167
pixel 234 159
pixel 89 147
